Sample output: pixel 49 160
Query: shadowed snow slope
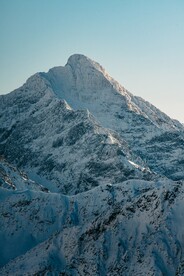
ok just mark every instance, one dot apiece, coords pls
pixel 134 228
pixel 91 178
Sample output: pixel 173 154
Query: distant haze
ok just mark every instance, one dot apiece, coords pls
pixel 139 42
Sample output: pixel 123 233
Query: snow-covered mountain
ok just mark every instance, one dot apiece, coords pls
pixel 91 178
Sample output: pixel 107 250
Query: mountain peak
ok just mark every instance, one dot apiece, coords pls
pixel 81 77
pixel 82 61
pixel 75 58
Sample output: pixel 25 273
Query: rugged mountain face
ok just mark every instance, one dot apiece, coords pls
pixel 43 135
pixel 85 84
pixel 86 176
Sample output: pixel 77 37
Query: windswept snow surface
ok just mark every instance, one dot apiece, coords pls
pixel 91 178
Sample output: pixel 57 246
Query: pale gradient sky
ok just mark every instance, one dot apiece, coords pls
pixel 139 42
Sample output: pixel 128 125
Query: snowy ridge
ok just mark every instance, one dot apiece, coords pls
pixel 91 178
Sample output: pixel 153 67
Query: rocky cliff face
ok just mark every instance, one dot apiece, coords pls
pixel 91 178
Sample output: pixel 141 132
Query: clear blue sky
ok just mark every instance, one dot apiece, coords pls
pixel 139 42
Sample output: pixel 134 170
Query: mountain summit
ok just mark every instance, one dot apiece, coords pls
pixel 91 178
pixel 78 60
